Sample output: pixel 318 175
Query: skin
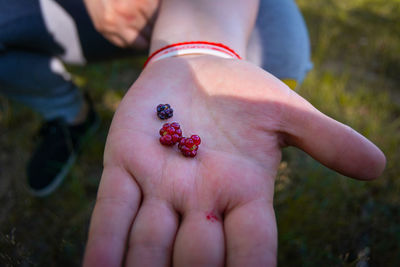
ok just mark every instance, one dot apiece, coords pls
pixel 194 20
pixel 125 23
pixel 153 203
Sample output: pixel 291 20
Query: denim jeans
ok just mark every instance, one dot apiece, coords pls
pixel 38 36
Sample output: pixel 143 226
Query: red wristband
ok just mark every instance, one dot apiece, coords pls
pixel 192 48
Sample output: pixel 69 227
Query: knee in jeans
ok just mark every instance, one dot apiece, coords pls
pixel 296 65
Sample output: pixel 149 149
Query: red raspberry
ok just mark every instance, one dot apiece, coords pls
pixel 170 134
pixel 189 146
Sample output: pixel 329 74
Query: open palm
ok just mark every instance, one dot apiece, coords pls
pixel 158 208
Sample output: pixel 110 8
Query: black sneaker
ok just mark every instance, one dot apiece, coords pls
pixel 57 151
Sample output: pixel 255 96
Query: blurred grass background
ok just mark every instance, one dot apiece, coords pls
pixel 324 219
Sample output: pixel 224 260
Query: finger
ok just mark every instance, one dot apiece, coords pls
pixel 116 205
pixel 151 12
pixel 127 38
pixel 200 241
pixel 334 144
pixel 153 234
pixel 251 235
pixel 138 42
pixel 146 32
pixel 115 39
pixel 131 36
pixel 130 28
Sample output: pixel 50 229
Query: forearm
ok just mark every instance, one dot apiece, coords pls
pixel 224 21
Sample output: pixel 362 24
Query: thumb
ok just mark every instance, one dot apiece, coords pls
pixel 332 143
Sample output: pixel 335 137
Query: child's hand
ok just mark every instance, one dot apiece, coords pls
pixel 156 207
pixel 123 22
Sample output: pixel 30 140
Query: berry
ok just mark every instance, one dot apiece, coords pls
pixel 196 139
pixel 189 145
pixel 166 140
pixel 164 111
pixel 171 133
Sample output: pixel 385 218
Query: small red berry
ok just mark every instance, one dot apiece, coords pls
pixel 175 125
pixel 170 134
pixel 166 126
pixel 175 138
pixel 183 141
pixel 189 145
pixel 196 139
pixel 163 132
pixel 166 140
pixel 189 142
pixel 171 130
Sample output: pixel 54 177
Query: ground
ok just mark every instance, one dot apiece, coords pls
pixel 324 219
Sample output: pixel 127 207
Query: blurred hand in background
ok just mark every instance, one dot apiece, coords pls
pixel 125 23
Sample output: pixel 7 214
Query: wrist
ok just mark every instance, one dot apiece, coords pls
pixel 225 21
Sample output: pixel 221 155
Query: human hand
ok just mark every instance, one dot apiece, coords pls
pixel 124 23
pixel 158 208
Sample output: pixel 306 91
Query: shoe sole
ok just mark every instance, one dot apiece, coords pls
pixel 65 170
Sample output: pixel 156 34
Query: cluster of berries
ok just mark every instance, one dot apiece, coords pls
pixel 189 145
pixel 164 111
pixel 171 134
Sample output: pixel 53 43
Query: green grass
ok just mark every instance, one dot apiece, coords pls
pixel 324 219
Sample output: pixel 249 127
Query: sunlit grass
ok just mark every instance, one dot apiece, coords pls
pixel 325 219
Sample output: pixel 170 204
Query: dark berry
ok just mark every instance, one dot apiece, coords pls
pixel 170 133
pixel 162 115
pixel 164 111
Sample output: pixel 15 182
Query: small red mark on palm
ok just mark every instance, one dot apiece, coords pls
pixel 212 217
